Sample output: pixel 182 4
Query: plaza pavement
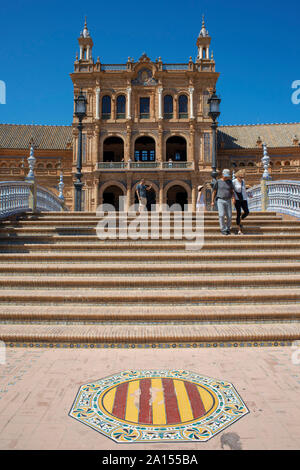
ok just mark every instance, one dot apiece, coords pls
pixel 38 387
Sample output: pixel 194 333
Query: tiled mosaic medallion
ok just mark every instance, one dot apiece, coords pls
pixel 158 405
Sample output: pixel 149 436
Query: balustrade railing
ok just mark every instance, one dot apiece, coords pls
pixel 21 196
pixel 145 165
pixel 283 197
pixel 14 197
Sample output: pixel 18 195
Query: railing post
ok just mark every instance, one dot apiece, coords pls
pixel 32 197
pixel 264 195
pixel 266 177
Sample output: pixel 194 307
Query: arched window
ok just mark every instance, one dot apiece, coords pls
pixel 250 164
pixel 183 107
pixel 168 107
pixel 242 164
pixel 121 104
pixel 106 107
pixel 287 163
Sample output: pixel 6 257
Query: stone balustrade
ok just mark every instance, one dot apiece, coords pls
pixel 23 196
pixel 283 197
pixel 109 166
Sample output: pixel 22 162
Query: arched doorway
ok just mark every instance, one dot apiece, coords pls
pixel 177 195
pixel 176 149
pixel 144 149
pixel 111 196
pixel 113 149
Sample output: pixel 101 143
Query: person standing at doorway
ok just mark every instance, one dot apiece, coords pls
pixel 223 193
pixel 241 199
pixel 141 192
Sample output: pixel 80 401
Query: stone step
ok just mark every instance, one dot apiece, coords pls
pixel 53 234
pixel 174 257
pixel 183 296
pixel 147 282
pixel 141 313
pixel 93 223
pixel 157 247
pixel 149 333
pixel 132 214
pixel 93 241
pixel 61 269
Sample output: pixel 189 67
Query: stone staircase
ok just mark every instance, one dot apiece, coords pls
pixel 61 285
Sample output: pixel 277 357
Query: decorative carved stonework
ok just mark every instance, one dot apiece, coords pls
pixel 144 78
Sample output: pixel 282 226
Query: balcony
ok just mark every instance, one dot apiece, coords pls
pixel 145 166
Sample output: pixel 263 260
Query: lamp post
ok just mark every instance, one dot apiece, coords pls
pixel 214 112
pixel 80 113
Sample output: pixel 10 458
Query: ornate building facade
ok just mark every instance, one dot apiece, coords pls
pixel 145 119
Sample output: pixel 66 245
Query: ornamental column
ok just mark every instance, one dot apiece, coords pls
pixel 160 91
pixel 159 152
pixel 161 192
pixel 191 92
pixel 191 156
pixel 127 150
pixel 129 91
pixel 97 103
pixel 128 190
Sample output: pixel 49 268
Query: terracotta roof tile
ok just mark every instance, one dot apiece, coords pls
pixel 18 136
pixel 246 136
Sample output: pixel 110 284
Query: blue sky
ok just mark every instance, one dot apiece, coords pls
pixel 256 48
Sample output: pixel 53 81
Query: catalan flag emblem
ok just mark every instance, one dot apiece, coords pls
pixel 157 401
pixel 152 406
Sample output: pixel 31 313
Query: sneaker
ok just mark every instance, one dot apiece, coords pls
pixel 228 232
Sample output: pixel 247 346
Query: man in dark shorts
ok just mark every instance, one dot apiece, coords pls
pixel 223 193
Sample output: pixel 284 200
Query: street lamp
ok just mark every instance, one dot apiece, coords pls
pixel 214 112
pixel 80 113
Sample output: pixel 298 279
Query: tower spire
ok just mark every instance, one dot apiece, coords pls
pixel 203 42
pixel 85 43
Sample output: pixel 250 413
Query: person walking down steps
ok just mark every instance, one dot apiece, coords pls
pixel 223 193
pixel 200 204
pixel 241 199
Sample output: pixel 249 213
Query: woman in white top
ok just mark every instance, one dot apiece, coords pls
pixel 241 199
pixel 200 199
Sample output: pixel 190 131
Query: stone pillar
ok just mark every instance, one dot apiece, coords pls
pixel 96 193
pixel 127 149
pixel 160 91
pixel 161 192
pixel 194 195
pixel 191 92
pixel 96 154
pixel 113 107
pixel 175 111
pixel 97 103
pixel 159 151
pixel 129 90
pixel 128 190
pixel 191 156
